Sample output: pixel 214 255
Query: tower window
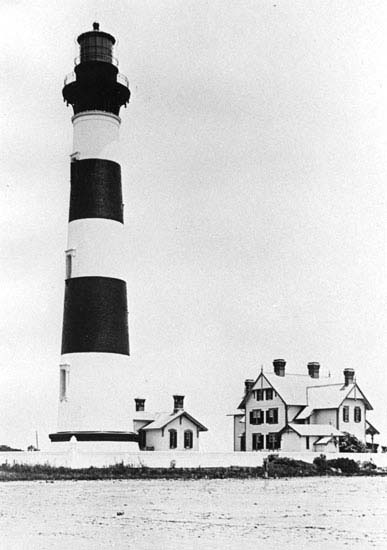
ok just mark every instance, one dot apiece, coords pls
pixel 69 262
pixel 63 382
pixel 172 439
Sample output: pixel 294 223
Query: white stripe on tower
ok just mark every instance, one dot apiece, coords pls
pixel 94 401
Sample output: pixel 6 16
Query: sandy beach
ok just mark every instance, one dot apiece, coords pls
pixel 329 513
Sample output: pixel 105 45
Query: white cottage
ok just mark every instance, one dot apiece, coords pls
pixel 177 430
pixel 298 412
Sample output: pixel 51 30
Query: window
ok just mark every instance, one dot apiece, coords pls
pixel 269 393
pixel 63 382
pixel 69 263
pixel 272 416
pixel 188 439
pixel 258 442
pixel 256 416
pixel 307 441
pixel 273 441
pixel 259 394
pixel 357 414
pixel 346 414
pixel 172 439
pixel 142 439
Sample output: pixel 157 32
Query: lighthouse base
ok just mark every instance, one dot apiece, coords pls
pixel 90 441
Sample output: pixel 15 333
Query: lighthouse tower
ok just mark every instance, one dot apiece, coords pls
pixel 94 397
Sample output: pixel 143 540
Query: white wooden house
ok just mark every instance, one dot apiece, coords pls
pixel 176 430
pixel 298 412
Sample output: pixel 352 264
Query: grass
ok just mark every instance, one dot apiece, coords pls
pixel 277 467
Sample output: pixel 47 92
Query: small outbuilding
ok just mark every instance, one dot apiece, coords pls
pixel 163 431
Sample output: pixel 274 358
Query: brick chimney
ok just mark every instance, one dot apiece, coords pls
pixel 279 367
pixel 178 403
pixel 349 375
pixel 140 404
pixel 314 369
pixel 249 383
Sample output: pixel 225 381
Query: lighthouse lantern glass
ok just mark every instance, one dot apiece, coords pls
pixel 96 47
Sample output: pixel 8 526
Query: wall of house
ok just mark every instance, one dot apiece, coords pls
pixel 330 447
pixel 264 428
pixel 292 442
pixel 324 416
pixel 160 442
pixel 356 428
pixel 239 428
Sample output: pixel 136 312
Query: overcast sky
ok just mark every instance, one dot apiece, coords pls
pixel 254 172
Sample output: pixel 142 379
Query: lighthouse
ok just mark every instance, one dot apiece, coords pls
pixel 95 397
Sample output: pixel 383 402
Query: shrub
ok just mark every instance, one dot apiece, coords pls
pixel 351 444
pixel 346 465
pixel 320 463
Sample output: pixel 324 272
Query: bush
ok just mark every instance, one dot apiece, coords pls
pixel 288 467
pixel 320 463
pixel 346 465
pixel 351 444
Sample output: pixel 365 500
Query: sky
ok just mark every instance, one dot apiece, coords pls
pixel 254 177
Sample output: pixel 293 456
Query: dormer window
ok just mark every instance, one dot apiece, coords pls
pixel 269 393
pixel 259 394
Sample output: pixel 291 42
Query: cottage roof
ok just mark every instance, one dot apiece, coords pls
pixel 320 430
pixel 163 419
pixel 144 416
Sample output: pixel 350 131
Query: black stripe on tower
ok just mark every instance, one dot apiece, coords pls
pixel 95 316
pixel 96 190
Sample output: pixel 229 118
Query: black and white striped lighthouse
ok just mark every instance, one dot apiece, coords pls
pixel 94 401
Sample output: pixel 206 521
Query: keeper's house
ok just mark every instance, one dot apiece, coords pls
pixel 176 430
pixel 293 412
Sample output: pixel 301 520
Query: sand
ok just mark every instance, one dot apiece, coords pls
pixel 326 513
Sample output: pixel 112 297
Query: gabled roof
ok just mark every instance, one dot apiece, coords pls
pixel 314 393
pixel 321 430
pixel 163 419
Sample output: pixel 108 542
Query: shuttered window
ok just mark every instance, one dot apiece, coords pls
pixel 259 394
pixel 273 441
pixel 269 393
pixel 272 416
pixel 256 416
pixel 258 442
